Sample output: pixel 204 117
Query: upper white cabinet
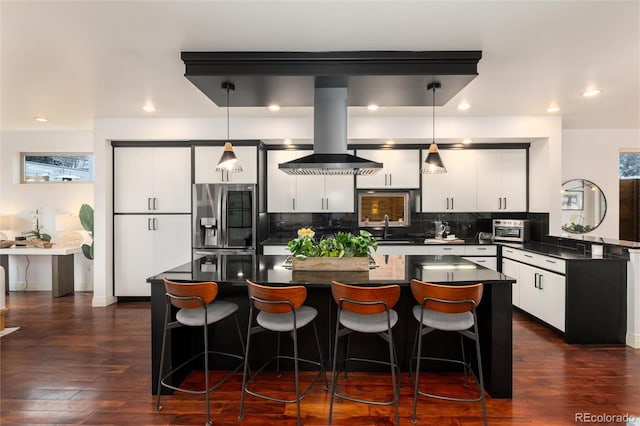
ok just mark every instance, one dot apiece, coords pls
pixel 305 194
pixel 401 169
pixel 154 180
pixel 206 158
pixel 502 185
pixel 454 191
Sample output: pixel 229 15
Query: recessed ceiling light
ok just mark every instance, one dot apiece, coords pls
pixel 274 107
pixel 591 93
pixel 287 141
pixel 148 108
pixel 464 106
pixel 390 142
pixel 553 109
pixel 466 141
pixel 41 119
pixel 372 107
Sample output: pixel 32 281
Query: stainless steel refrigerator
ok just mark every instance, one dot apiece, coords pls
pixel 224 219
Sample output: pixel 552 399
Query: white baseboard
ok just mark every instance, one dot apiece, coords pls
pixel 29 287
pixel 102 301
pixel 633 340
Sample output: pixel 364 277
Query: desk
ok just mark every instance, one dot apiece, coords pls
pixel 62 281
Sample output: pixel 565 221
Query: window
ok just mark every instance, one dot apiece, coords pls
pixel 629 165
pixel 39 167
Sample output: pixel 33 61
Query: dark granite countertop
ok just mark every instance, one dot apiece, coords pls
pixel 560 252
pixel 416 241
pixel 392 269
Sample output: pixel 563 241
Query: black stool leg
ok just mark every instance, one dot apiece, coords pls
pixel 334 378
pixel 324 370
pixel 164 342
pixel 295 366
pixel 393 374
pixel 480 375
pixel 417 375
pixel 246 364
pixel 206 367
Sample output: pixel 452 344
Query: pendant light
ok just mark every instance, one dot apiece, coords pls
pixel 228 161
pixel 433 163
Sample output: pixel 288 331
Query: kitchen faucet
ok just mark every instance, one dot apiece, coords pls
pixel 385 232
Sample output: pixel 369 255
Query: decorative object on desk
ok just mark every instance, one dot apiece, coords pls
pixel 69 225
pixel 86 219
pixel 6 243
pixel 40 243
pixel 36 227
pixel 343 252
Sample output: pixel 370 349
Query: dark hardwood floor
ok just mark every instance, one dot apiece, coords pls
pixel 73 364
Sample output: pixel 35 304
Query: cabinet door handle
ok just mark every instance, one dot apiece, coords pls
pixel 327 203
pixel 481 248
pixel 148 203
pixel 505 203
pixel 535 280
pixel 149 224
pixel 155 203
pixel 550 261
pixel 447 203
pixel 528 255
pixel 390 184
pixel 155 224
pixel 499 203
pixel 452 203
pixel 293 203
pixel 508 251
pixel 540 281
pixel 446 248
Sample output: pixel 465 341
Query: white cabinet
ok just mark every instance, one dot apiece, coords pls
pixel 401 169
pixel 488 262
pixel 512 269
pixel 206 158
pixel 145 245
pixel 454 191
pixel 541 293
pixel 502 183
pixel 305 194
pixel 152 180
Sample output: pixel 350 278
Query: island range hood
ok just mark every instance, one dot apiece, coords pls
pixel 330 156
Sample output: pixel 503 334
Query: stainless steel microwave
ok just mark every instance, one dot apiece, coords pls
pixel 514 230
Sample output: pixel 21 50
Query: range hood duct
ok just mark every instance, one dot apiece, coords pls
pixel 330 156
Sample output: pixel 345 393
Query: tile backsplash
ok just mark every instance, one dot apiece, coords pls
pixel 463 225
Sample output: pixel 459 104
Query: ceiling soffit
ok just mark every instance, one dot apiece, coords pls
pixel 385 78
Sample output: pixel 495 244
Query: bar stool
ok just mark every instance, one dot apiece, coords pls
pixel 447 308
pixel 197 308
pixel 281 310
pixel 365 310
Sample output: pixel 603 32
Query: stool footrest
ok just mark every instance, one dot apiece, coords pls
pixel 364 401
pixel 285 401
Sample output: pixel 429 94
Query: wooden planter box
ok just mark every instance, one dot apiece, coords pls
pixel 330 264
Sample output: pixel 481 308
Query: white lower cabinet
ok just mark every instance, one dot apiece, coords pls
pixel 146 245
pixel 512 269
pixel 541 293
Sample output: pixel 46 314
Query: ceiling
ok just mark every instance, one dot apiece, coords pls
pixel 73 61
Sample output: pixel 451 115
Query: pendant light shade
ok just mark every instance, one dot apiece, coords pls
pixel 433 163
pixel 228 161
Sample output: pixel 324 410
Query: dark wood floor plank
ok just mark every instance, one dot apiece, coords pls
pixel 74 364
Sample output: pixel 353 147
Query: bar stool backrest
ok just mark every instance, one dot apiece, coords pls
pixel 289 297
pixel 449 299
pixel 387 294
pixel 190 295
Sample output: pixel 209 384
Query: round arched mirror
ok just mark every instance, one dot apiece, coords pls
pixel 583 206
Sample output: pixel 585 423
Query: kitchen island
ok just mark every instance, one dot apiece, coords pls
pixel 231 271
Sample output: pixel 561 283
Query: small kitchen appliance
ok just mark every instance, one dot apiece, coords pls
pixel 513 230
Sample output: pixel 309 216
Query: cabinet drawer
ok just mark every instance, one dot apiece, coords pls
pixel 485 250
pixel 457 250
pixel 535 259
pixel 276 250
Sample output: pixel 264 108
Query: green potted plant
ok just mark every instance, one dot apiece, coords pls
pixel 343 252
pixel 86 219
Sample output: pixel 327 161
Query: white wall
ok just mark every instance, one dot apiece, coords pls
pixel 594 155
pixel 544 131
pixel 19 200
